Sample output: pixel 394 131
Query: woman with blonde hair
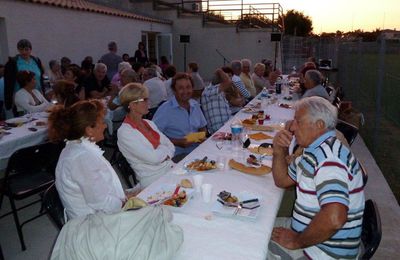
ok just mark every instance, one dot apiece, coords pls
pixel 85 180
pixel 146 148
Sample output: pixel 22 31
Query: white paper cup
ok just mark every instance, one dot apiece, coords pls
pixel 206 190
pixel 198 181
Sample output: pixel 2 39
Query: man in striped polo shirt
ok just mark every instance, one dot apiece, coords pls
pixel 328 211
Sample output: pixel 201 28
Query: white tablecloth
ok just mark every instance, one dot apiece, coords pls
pixel 22 137
pixel 225 237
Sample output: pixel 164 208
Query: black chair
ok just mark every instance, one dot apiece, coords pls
pixel 125 170
pixel 30 171
pixel 54 208
pixel 179 157
pixel 1 254
pixel 371 233
pixel 348 130
pixel 337 102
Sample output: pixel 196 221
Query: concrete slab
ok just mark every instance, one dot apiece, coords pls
pixel 378 190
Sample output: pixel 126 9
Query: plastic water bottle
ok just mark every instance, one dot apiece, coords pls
pixel 236 129
pixel 264 92
pixel 278 86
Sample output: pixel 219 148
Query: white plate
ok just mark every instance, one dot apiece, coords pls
pixel 41 115
pixel 165 192
pixel 219 166
pixel 17 120
pixel 244 214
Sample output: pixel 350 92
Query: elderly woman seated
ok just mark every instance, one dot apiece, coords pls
pixel 181 115
pixel 147 150
pixel 28 99
pixel 85 180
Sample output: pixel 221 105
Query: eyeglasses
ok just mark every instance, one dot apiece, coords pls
pixel 140 100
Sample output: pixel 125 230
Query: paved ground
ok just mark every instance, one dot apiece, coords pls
pixel 41 234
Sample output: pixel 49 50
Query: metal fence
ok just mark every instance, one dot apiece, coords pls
pixel 369 74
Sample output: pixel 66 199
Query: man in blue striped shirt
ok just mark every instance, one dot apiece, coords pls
pixel 327 215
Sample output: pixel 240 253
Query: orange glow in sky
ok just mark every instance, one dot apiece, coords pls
pixel 347 15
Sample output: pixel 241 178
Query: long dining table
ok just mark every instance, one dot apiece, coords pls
pixel 22 135
pixel 211 236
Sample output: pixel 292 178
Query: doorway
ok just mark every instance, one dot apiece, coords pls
pixel 158 45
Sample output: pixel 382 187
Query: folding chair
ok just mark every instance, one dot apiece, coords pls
pixel 54 208
pixel 30 171
pixel 348 130
pixel 125 170
pixel 371 233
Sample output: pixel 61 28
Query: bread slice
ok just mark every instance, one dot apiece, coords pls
pixel 258 171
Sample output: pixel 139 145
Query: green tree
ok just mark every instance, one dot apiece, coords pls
pixel 296 23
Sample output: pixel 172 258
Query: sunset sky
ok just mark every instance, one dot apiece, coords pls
pixel 347 15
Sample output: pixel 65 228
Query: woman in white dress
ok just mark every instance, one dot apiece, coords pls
pixel 85 180
pixel 145 147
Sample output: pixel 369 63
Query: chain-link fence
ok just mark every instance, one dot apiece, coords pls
pixel 369 74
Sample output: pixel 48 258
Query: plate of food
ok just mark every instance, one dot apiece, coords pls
pixel 249 110
pixel 18 121
pixel 202 165
pixel 284 105
pixel 251 165
pixel 174 196
pixel 264 149
pixel 40 124
pixel 243 205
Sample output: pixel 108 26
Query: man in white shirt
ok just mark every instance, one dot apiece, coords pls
pixel 156 87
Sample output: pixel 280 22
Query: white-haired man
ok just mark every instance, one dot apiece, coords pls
pixel 312 83
pixel 97 85
pixel 245 76
pixel 328 212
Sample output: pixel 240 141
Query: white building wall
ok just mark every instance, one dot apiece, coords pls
pixel 56 32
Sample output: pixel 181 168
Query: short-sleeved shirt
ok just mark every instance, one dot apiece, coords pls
pixel 240 86
pixel 91 84
pixel 176 122
pixel 327 172
pixel 111 60
pixel 31 65
pixel 215 107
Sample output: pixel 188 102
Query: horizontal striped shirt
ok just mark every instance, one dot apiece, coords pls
pixel 327 172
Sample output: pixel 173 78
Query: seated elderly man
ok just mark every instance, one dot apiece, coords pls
pixel 328 212
pixel 245 76
pixel 236 66
pixel 214 103
pixel 312 83
pixel 97 85
pixel 258 78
